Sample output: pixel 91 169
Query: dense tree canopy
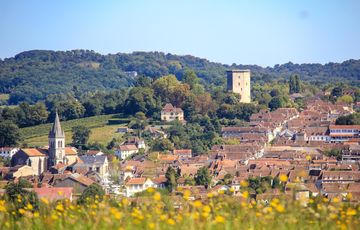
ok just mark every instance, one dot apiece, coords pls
pixel 33 75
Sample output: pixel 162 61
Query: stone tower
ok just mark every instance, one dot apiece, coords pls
pixel 56 143
pixel 238 81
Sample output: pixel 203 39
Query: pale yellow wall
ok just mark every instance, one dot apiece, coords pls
pixel 25 171
pixel 240 83
pixel 169 117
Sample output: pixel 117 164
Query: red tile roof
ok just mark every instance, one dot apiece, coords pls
pixel 53 194
pixel 33 152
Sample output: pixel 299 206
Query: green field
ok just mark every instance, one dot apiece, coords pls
pixel 100 130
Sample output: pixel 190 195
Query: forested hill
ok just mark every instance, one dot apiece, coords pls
pixel 32 75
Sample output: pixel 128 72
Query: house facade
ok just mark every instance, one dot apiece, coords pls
pixel 135 185
pixel 125 151
pixel 8 152
pixel 171 113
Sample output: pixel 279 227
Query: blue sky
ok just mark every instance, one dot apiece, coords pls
pixel 227 31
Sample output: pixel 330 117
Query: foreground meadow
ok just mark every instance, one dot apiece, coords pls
pixel 154 211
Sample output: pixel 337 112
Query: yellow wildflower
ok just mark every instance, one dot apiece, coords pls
pixel 186 194
pixel 349 196
pixel 171 222
pixel 125 201
pixel 280 208
pixel 21 211
pixel 245 194
pixel 29 207
pixel 59 207
pixel 150 189
pixel 157 196
pixel 54 216
pixel 350 212
pixel 244 183
pixel 206 208
pixel 44 200
pixel 197 204
pixel 2 206
pixel 219 219
pixel 163 217
pixel 151 225
pixel 283 178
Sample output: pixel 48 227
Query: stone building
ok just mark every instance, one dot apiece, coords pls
pixel 171 113
pixel 238 81
pixel 41 159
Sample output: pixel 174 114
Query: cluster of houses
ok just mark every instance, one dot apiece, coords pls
pixel 56 168
pixel 273 144
pixel 284 142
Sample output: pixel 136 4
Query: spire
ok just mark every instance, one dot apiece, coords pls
pixel 56 130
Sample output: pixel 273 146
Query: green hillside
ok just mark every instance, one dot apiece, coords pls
pixel 32 75
pixel 101 131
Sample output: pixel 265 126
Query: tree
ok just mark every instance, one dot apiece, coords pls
pixel 294 84
pixel 346 99
pixel 140 116
pixel 20 197
pixel 352 119
pixel 275 103
pixel 9 134
pixel 203 176
pixel 171 178
pixel 337 92
pixel 190 78
pixel 275 92
pixel 92 193
pixel 80 136
pixel 141 100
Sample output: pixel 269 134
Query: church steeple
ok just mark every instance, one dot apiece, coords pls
pixel 56 143
pixel 56 130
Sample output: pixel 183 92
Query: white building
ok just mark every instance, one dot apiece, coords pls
pixel 135 185
pixel 8 152
pixel 124 151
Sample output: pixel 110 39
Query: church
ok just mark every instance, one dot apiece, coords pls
pixel 40 160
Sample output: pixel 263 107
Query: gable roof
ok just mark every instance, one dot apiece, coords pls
pixel 70 151
pixel 34 152
pixel 93 159
pixel 82 179
pixel 127 148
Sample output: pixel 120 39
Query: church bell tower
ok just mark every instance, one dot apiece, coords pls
pixel 56 143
